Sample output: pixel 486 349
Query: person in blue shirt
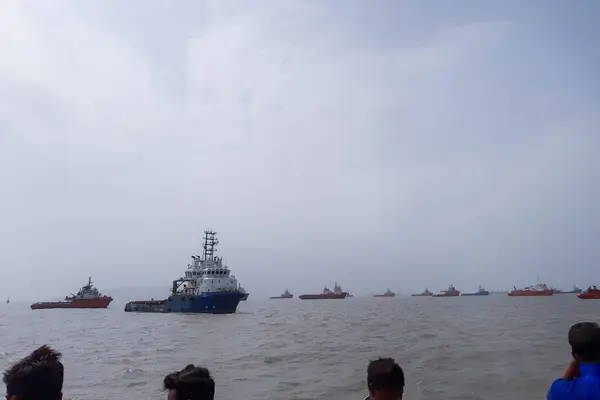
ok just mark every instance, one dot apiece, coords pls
pixel 581 381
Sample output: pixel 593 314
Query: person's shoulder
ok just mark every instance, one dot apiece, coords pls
pixel 566 389
pixel 559 388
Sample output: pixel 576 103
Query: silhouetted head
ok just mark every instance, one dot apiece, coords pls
pixel 39 376
pixel 191 383
pixel 385 380
pixel 584 338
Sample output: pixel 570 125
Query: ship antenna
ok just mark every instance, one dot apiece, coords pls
pixel 210 242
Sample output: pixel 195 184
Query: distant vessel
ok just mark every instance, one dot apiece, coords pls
pixel 284 295
pixel 389 293
pixel 242 290
pixel 348 294
pixel 575 289
pixel 451 292
pixel 591 293
pixel 208 287
pixel 540 289
pixel 326 294
pixel 87 297
pixel 8 300
pixel 480 292
pixel 426 293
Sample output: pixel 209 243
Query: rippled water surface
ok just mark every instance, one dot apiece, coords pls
pixel 489 348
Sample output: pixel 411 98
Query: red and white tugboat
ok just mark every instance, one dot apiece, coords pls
pixel 540 289
pixel 87 297
pixel 451 292
pixel 591 293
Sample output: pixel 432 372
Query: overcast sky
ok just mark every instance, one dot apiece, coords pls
pixel 402 144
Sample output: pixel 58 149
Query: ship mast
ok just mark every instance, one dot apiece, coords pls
pixel 210 242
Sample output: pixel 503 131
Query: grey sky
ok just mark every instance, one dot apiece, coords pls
pixel 397 144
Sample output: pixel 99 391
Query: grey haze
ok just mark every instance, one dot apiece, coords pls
pixel 402 144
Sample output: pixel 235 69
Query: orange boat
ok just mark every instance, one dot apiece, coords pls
pixel 451 292
pixel 536 290
pixel 591 293
pixel 87 297
pixel 326 294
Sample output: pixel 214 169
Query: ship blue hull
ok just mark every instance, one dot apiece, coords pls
pixel 213 303
pixel 206 303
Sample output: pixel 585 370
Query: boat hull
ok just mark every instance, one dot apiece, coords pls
pixel 384 295
pixel 281 297
pixel 456 294
pixel 476 294
pixel 246 295
pixel 329 296
pixel 205 303
pixel 422 295
pixel 589 295
pixel 101 302
pixel 530 293
pixel 156 306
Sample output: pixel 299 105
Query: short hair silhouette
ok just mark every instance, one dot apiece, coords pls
pixel 191 383
pixel 39 376
pixel 584 338
pixel 384 373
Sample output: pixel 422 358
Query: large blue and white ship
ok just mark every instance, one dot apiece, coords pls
pixel 207 287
